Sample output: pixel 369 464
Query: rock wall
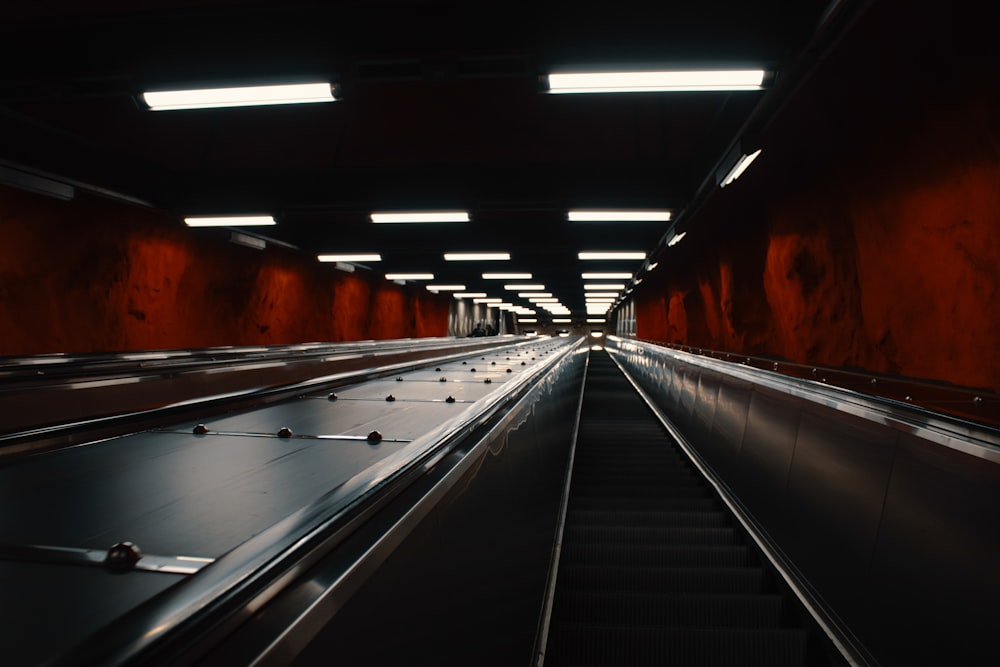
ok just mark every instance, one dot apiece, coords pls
pixel 867 234
pixel 92 275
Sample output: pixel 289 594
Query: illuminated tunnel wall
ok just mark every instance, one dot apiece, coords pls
pixel 866 234
pixel 93 275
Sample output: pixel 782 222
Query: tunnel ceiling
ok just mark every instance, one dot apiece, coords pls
pixel 441 105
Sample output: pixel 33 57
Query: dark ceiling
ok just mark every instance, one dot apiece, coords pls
pixel 440 107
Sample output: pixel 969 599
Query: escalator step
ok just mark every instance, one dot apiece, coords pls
pixel 643 504
pixel 592 516
pixel 690 611
pixel 661 556
pixel 632 580
pixel 652 535
pixel 583 646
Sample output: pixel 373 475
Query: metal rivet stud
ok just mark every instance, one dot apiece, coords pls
pixel 390 398
pixel 509 371
pixel 978 401
pixel 284 432
pixel 438 369
pixel 523 363
pixel 493 363
pixel 399 379
pixel 123 556
pixel 488 381
pixel 450 399
pixel 200 429
pixel 374 436
pixel 443 380
pixel 331 397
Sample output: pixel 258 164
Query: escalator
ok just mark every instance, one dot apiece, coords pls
pixel 654 570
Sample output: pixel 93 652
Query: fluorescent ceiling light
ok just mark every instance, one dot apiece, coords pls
pixel 544 300
pixel 486 300
pixel 606 276
pixel 653 265
pixel 506 276
pixel 599 295
pixel 469 295
pixel 230 221
pixel 740 166
pixel 514 287
pixel 446 288
pixel 677 239
pixel 247 96
pixel 604 286
pixel 430 216
pixel 663 81
pixel 596 334
pixel 596 320
pixel 351 257
pixel 619 216
pixel 409 276
pixel 559 320
pixel 612 255
pixel 476 256
pixel 528 320
pixel 529 295
pixel 603 300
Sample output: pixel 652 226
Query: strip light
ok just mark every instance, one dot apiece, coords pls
pixel 662 81
pixel 596 320
pixel 476 256
pixel 410 276
pixel 351 257
pixel 598 295
pixel 445 288
pixel 603 286
pixel 618 216
pixel 430 216
pixel 528 320
pixel 611 255
pixel 230 221
pixel 487 300
pixel 506 276
pixel 561 320
pixel 527 288
pixel 740 166
pixel 677 239
pixel 245 96
pixel 606 276
pixel 528 295
pixel 469 295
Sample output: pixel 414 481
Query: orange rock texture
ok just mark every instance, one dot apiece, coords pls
pixel 867 235
pixel 92 275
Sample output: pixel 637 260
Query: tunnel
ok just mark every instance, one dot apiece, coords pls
pixel 454 366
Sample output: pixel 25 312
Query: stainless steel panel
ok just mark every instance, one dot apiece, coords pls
pixel 461 388
pixel 730 422
pixel 394 420
pixel 836 488
pixel 703 413
pixel 766 456
pixel 934 573
pixel 46 609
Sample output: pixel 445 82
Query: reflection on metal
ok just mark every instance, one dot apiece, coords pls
pixel 122 556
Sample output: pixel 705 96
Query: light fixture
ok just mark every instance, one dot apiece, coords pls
pixel 469 295
pixel 599 295
pixel 230 221
pixel 247 240
pixel 513 287
pixel 738 169
pixel 544 300
pixel 409 276
pixel 611 255
pixel 445 288
pixel 486 300
pixel 527 320
pixel 653 265
pixel 418 217
pixel 677 239
pixel 596 320
pixel 528 295
pixel 618 216
pixel 506 276
pixel 561 320
pixel 603 286
pixel 351 257
pixel 476 256
pixel 597 334
pixel 606 276
pixel 244 96
pixel 659 81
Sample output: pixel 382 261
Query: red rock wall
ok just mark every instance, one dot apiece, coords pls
pixel 867 235
pixel 92 275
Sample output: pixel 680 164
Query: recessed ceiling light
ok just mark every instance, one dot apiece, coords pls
pixel 486 300
pixel 544 300
pixel 409 276
pixel 527 320
pixel 528 295
pixel 506 276
pixel 603 286
pixel 418 217
pixel 351 257
pixel 660 81
pixel 230 221
pixel 561 320
pixel 739 168
pixel 596 320
pixel 677 239
pixel 469 295
pixel 611 255
pixel 514 287
pixel 445 288
pixel 598 295
pixel 476 256
pixel 244 96
pixel 618 216
pixel 606 276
